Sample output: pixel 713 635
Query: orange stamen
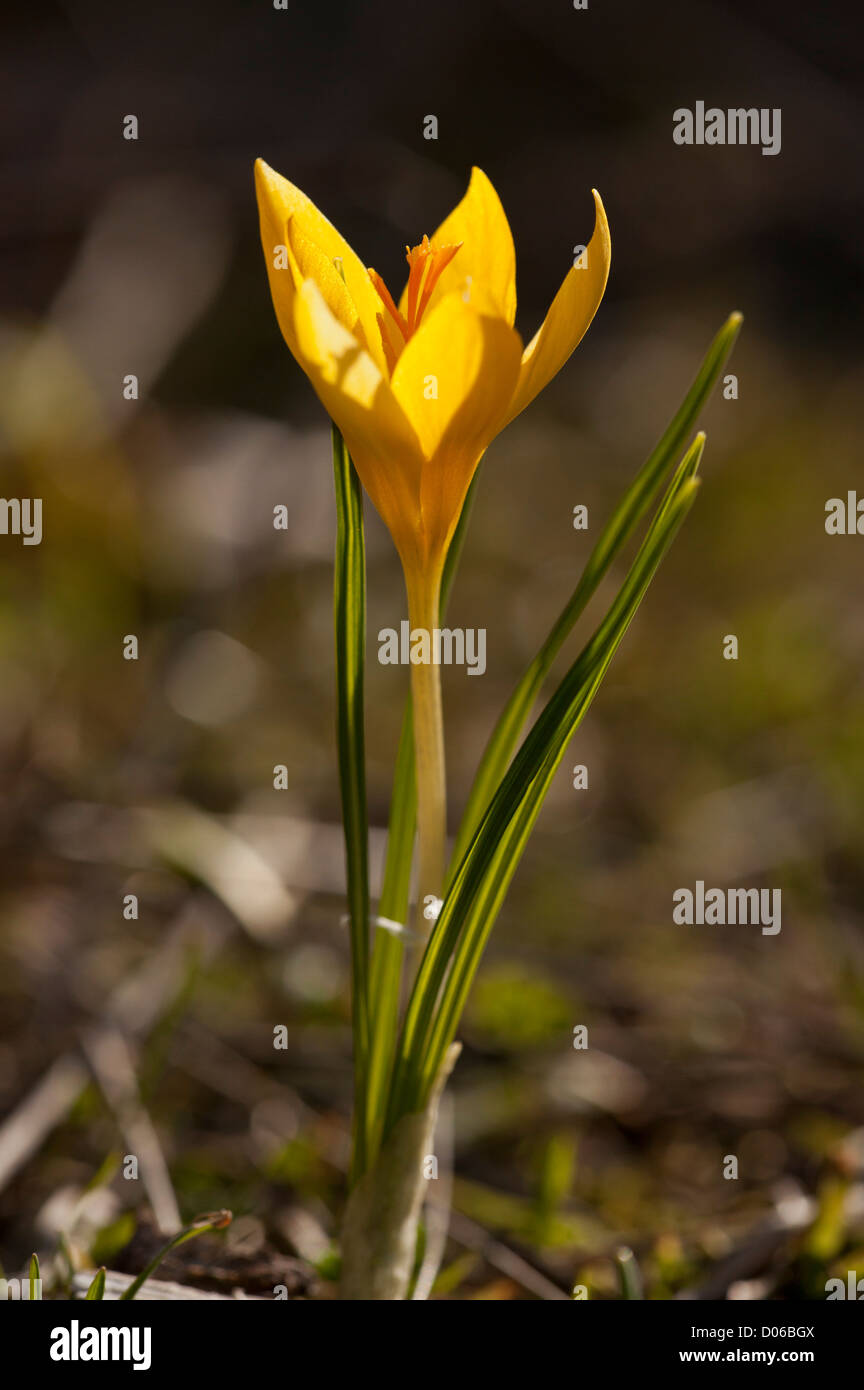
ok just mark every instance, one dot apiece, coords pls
pixel 387 300
pixel 426 263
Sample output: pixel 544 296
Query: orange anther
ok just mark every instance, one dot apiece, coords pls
pixel 426 264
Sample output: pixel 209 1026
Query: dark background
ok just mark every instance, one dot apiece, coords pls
pixel 155 778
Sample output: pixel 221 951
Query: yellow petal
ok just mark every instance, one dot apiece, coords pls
pixel 284 276
pixel 454 382
pixel 355 394
pixel 486 257
pixel 285 210
pixel 570 313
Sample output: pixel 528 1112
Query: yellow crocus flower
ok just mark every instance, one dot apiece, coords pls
pixel 420 389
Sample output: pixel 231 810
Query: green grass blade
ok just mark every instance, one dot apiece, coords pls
pixel 481 881
pixel 396 884
pixel 614 536
pixel 389 947
pixel 34 1275
pixel 454 554
pixel 629 1275
pixel 510 843
pixel 349 606
pixel 212 1221
pixel 96 1290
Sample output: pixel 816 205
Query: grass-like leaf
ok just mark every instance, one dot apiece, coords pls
pixel 389 948
pixel 96 1290
pixel 629 1275
pixel 349 603
pixel 34 1275
pixel 483 876
pixel 614 536
pixel 211 1221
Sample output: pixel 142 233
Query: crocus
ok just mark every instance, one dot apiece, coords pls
pixel 420 388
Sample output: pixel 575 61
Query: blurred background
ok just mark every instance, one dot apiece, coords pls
pixel 153 1034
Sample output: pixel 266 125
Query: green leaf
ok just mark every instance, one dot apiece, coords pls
pixel 389 949
pixel 505 832
pixel 349 603
pixel 96 1290
pixel 34 1275
pixel 472 902
pixel 614 536
pixel 629 1275
pixel 211 1221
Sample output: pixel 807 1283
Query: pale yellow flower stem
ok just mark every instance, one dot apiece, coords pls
pixel 423 612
